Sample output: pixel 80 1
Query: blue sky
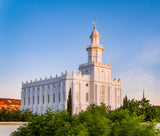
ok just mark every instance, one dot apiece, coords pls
pixel 40 38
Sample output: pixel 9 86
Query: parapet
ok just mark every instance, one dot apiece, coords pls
pixel 115 81
pixel 57 78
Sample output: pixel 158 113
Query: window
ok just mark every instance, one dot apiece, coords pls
pixel 87 84
pixel 43 99
pixel 53 98
pixel 76 96
pixel 102 94
pixel 64 96
pixel 59 97
pixel 24 101
pixel 38 99
pixel 54 86
pixel 86 97
pixel 28 100
pixel 48 98
pixel 48 87
pixel 118 99
pixel 76 110
pixel 24 91
pixel 33 99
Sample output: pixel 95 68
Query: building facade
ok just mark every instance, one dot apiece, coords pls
pixel 10 104
pixel 92 85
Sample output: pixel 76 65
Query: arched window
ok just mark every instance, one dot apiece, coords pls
pixel 33 99
pixel 28 100
pixel 63 95
pixel 76 96
pixel 86 97
pixel 118 99
pixel 24 101
pixel 53 98
pixel 48 98
pixel 59 97
pixel 43 99
pixel 38 99
pixel 76 110
pixel 102 94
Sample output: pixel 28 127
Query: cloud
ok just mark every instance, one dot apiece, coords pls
pixel 143 73
pixel 134 81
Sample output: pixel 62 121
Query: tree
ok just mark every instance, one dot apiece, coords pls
pixel 141 107
pixel 69 103
pixel 95 121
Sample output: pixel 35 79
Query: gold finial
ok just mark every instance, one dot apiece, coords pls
pixel 94 25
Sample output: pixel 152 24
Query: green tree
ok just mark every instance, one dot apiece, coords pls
pixel 69 103
pixel 95 121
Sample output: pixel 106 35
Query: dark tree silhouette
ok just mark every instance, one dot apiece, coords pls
pixel 69 103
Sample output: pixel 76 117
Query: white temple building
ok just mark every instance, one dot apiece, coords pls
pixel 92 85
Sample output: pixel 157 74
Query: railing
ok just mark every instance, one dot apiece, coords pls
pixel 95 63
pixel 95 46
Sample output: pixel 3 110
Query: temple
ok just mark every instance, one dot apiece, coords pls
pixel 91 85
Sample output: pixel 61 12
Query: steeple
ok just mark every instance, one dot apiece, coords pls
pixel 95 49
pixel 143 94
pixel 95 37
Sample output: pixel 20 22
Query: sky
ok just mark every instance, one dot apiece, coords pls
pixel 39 38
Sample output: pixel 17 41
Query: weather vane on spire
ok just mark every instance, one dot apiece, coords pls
pixel 94 23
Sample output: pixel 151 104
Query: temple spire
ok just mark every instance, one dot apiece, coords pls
pixel 95 49
pixel 94 27
pixel 143 94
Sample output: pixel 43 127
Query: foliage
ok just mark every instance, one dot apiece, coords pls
pixel 142 107
pixel 69 103
pixel 16 115
pixel 95 121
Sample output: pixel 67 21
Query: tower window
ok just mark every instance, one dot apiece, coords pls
pixel 87 84
pixel 86 97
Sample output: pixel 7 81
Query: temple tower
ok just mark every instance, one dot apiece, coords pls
pixel 95 49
